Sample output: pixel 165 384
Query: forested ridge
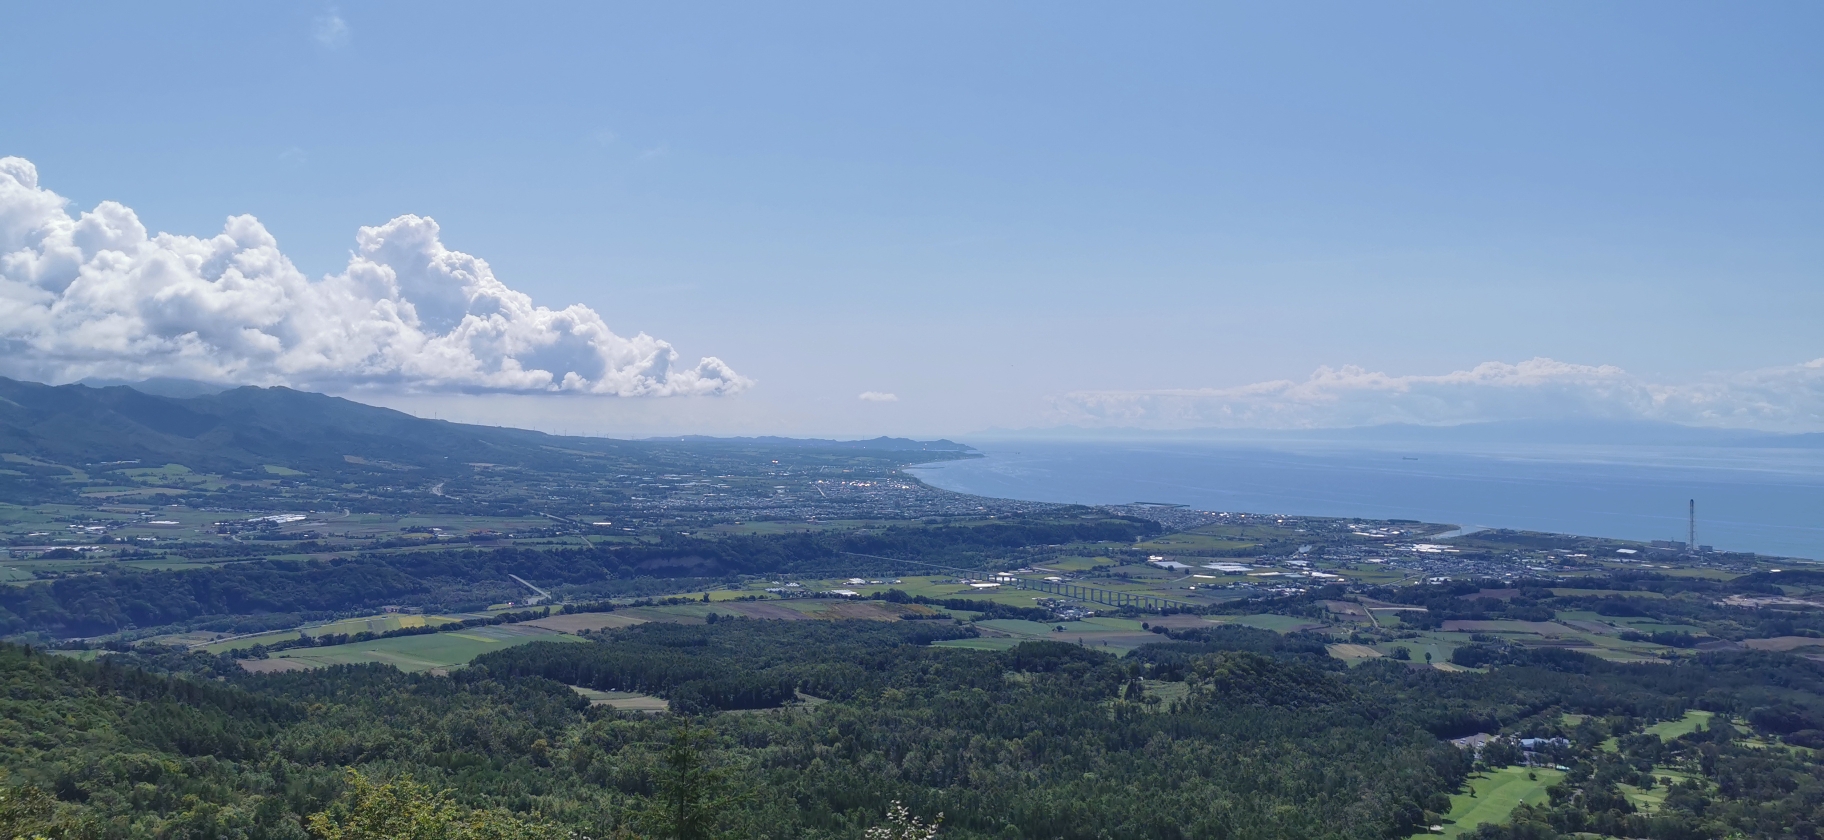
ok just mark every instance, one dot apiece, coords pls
pixel 1261 738
pixel 119 598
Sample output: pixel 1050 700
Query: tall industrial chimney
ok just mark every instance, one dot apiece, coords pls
pixel 1692 545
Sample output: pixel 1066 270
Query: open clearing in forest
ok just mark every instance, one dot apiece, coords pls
pixel 1116 635
pixel 627 701
pixel 986 643
pixel 451 649
pixel 1671 729
pixel 1498 792
pixel 1348 652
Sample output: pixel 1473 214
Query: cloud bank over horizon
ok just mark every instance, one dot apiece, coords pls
pixel 1789 398
pixel 97 297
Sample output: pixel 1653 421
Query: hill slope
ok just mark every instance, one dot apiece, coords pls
pixel 238 429
pixel 246 428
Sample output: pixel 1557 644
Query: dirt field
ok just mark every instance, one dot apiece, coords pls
pixel 866 610
pixel 762 609
pixel 1345 651
pixel 585 621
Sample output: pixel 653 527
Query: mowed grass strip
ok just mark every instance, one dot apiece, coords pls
pixel 1113 635
pixel 1269 621
pixel 981 644
pixel 628 701
pixel 1671 729
pixel 383 623
pixel 422 653
pixel 1347 652
pixel 1498 793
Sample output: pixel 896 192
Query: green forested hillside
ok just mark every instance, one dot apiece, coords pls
pixel 1259 738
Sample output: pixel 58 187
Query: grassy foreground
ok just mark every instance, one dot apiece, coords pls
pixel 1497 793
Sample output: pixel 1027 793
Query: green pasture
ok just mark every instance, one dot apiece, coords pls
pixel 629 701
pixel 1115 634
pixel 1166 691
pixel 1671 729
pixel 985 643
pixel 450 649
pixel 1626 622
pixel 1076 564
pixel 1266 621
pixel 381 623
pixel 1707 574
pixel 1497 794
pixel 1192 541
pixel 1604 593
pixel 1440 644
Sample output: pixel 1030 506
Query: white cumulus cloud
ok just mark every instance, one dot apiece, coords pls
pixel 1781 398
pixel 879 396
pixel 97 296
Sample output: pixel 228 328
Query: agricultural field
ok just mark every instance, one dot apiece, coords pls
pixel 1116 635
pixel 626 701
pixel 1078 564
pixel 1269 621
pixel 432 651
pixel 222 643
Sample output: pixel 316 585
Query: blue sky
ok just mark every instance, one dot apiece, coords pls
pixel 1001 214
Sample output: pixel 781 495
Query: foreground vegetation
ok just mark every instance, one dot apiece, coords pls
pixel 1266 736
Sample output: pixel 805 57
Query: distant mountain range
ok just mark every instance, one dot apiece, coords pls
pixel 248 427
pixel 1562 432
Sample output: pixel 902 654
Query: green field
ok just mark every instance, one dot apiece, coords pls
pixel 980 644
pixel 1498 792
pixel 1076 564
pixel 1267 621
pixel 1600 593
pixel 421 653
pixel 624 700
pixel 1114 634
pixel 1668 730
pixel 366 624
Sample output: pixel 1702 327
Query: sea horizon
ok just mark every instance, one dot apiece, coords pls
pixel 1748 499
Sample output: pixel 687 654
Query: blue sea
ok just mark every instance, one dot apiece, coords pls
pixel 1768 501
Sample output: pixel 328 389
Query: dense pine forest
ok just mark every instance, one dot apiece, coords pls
pixel 816 729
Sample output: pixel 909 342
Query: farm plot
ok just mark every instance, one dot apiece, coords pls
pixel 1111 634
pixel 1269 621
pixel 1353 653
pixel 579 622
pixel 627 701
pixel 450 649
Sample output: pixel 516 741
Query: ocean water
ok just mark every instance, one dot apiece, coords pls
pixel 1769 501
